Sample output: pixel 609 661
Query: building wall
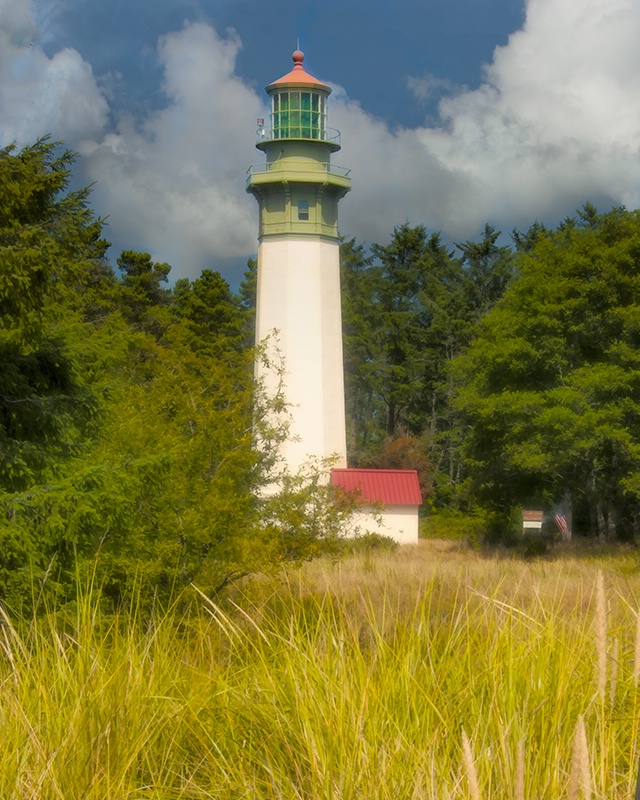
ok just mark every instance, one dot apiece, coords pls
pixel 398 522
pixel 299 312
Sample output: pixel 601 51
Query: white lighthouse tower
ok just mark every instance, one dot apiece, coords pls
pixel 298 296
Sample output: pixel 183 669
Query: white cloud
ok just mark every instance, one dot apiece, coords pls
pixel 175 184
pixel 38 94
pixel 16 23
pixel 171 183
pixel 555 123
pixel 427 86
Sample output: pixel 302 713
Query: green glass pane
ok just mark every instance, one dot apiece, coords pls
pixel 305 101
pixel 284 101
pixel 315 126
pixel 274 102
pixel 294 100
pixel 305 122
pixel 314 102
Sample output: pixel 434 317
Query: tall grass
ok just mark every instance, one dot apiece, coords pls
pixel 425 673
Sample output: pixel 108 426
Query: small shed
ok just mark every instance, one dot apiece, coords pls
pixel 390 501
pixel 532 521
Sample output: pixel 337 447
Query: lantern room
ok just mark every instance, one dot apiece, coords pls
pixel 299 108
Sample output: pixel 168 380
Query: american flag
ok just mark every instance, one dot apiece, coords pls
pixel 561 522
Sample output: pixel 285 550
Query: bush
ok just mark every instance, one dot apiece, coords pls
pixel 366 542
pixel 445 524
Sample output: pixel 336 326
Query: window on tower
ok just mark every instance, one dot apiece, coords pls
pixel 303 209
pixel 298 115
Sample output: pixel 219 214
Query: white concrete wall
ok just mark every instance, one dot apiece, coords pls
pixel 299 296
pixel 398 522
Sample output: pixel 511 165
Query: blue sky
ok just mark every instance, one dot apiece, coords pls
pixel 453 112
pixel 368 47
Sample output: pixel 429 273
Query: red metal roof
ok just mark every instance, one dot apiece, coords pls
pixel 299 76
pixel 391 487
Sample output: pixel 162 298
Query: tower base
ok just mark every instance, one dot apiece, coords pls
pixel 299 317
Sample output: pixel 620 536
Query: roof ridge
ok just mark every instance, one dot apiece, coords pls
pixel 371 469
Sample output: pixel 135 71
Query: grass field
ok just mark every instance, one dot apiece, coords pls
pixel 429 672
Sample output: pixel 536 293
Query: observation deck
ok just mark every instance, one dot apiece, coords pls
pixel 287 170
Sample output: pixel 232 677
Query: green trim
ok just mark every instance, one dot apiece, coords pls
pixel 319 176
pixel 299 229
pixel 330 143
pixel 298 190
pixel 281 203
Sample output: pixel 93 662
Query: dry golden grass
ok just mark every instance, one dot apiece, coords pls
pixel 432 672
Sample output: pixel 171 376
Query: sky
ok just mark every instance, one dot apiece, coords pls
pixel 453 113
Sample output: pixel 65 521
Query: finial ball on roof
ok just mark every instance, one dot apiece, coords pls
pixel 298 57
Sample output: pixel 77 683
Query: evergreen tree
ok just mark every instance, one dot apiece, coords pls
pixel 211 314
pixel 248 299
pixel 489 268
pixel 128 414
pixel 49 246
pixel 409 309
pixel 550 385
pixel 143 300
pixel 360 319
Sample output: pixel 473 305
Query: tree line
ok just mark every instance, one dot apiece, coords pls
pixel 129 413
pixel 506 374
pixel 510 373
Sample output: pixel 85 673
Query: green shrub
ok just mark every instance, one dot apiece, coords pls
pixel 366 542
pixel 445 524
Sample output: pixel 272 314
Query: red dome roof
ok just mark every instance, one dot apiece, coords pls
pixel 299 76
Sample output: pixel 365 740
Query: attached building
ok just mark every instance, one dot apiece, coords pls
pixel 390 501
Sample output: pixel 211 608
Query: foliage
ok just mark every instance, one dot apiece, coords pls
pixel 248 296
pixel 405 452
pixel 128 414
pixel 550 385
pixel 141 278
pixel 363 414
pixel 489 268
pixel 409 308
pixel 49 244
pixel 369 542
pixel 131 426
pixel 211 315
pixel 452 524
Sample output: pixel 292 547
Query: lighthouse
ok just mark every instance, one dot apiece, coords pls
pixel 298 310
